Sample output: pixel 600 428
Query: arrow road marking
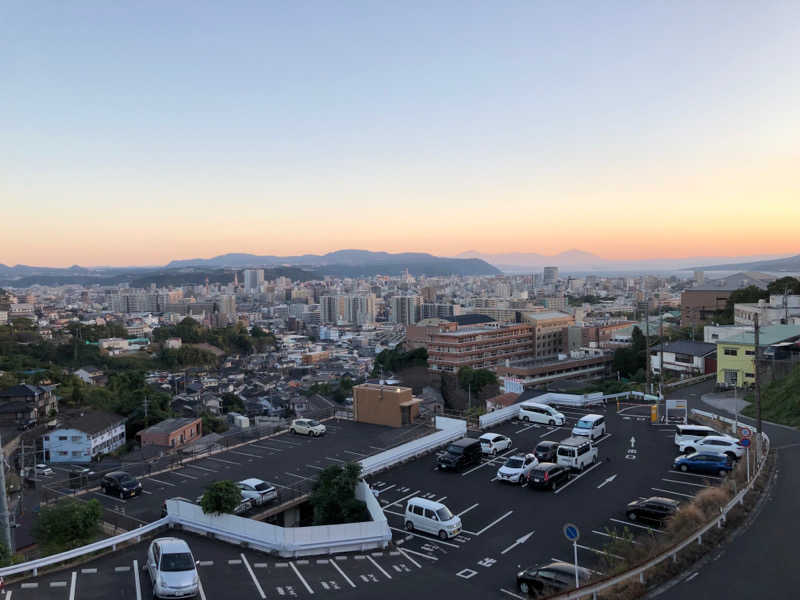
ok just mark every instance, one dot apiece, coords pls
pixel 519 541
pixel 633 442
pixel 609 480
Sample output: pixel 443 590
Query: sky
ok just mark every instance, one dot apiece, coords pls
pixel 140 132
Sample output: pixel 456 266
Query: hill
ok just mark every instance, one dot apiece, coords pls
pixel 780 401
pixel 789 264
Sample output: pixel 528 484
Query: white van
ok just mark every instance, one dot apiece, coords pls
pixel 431 517
pixel 690 433
pixel 591 426
pixel 576 453
pixel 540 413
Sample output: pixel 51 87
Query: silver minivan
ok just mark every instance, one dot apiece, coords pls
pixel 690 433
pixel 576 453
pixel 431 517
pixel 591 426
pixel 540 413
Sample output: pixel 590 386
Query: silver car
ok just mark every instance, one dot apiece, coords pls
pixel 172 569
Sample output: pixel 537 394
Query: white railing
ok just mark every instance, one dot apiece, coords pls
pixel 448 430
pixel 288 541
pixel 670 553
pixel 112 542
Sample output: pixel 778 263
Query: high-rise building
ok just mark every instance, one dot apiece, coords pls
pixel 253 279
pixel 405 309
pixel 347 309
pixel 550 275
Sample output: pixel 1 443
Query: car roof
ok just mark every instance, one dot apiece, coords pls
pixel 537 405
pixel 576 440
pixel 171 545
pixel 720 438
pixel 252 481
pixel 565 567
pixel 547 466
pixel 118 474
pixel 700 427
pixel 491 436
pixel 662 500
pixel 425 503
pixel 547 444
pixel 715 456
pixel 592 417
pixel 463 442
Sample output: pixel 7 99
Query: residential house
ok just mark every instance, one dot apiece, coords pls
pixel 736 354
pixel 91 375
pixel 21 403
pixel 172 433
pixel 684 357
pixel 82 435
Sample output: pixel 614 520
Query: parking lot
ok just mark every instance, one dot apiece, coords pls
pixel 506 527
pixel 286 461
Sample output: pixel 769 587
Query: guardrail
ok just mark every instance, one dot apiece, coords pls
pixel 690 380
pixel 498 416
pixel 670 553
pixel 449 430
pixel 112 542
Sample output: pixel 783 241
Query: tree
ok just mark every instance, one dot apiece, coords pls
pixel 629 361
pixel 221 497
pixel 232 402
pixel 67 524
pixel 783 285
pixel 333 496
pixel 475 380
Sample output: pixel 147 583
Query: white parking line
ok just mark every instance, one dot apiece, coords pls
pixel 613 536
pixel 419 554
pixel 300 476
pixel 380 568
pixel 626 523
pixel 8 595
pixel 411 560
pixel 267 448
pixel 58 584
pixel 110 497
pixel 695 475
pixel 253 577
pixel 177 474
pixel 526 428
pixel 674 493
pixel 596 551
pixel 316 467
pixel 346 578
pixel 495 522
pixel 546 433
pixel 700 485
pixel 285 442
pixel 574 479
pixel 222 460
pixel 388 487
pixel 401 499
pixel 246 454
pixel 512 594
pixel 428 539
pixel 469 508
pixel 202 468
pixel 301 578
pixel 602 439
pixel 164 482
pixel 377 448
pixel 488 462
pixel 441 499
pixel 356 453
pixel 136 582
pixel 339 460
pixel 72 582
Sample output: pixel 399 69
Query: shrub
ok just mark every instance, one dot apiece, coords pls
pixel 710 500
pixel 685 522
pixel 221 497
pixel 67 524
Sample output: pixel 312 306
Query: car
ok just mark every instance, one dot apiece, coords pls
pixel 548 475
pixel 172 569
pixel 42 470
pixel 688 433
pixel 81 476
pixel 550 578
pixel 517 468
pixel 260 492
pixel 591 426
pixel 710 464
pixel 534 412
pixel 431 517
pixel 655 508
pixel 576 452
pixel 460 454
pixel 714 444
pixel 546 451
pixel 120 483
pixel 307 427
pixel 492 443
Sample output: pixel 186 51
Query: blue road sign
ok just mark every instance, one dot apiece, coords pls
pixel 744 442
pixel 571 532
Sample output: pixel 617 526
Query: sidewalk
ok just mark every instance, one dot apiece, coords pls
pixel 726 402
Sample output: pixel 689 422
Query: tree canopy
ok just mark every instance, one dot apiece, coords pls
pixel 221 497
pixel 333 496
pixel 475 380
pixel 783 285
pixel 391 360
pixel 67 524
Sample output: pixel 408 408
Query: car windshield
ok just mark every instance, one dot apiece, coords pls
pixel 584 425
pixel 454 449
pixel 444 514
pixel 263 486
pixel 514 463
pixel 127 480
pixel 177 561
pixel 542 447
pixel 313 423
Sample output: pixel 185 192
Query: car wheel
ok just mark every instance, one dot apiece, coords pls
pixel 121 495
pixel 524 587
pixel 293 430
pixel 553 486
pixel 526 419
pixel 494 452
pixel 409 526
pixel 684 468
pixel 631 516
pixel 722 472
pixel 551 422
pixel 688 450
pixel 442 534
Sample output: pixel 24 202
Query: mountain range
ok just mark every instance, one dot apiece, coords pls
pixel 789 264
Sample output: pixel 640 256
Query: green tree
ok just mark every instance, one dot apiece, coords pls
pixel 5 556
pixel 221 497
pixel 783 285
pixel 333 496
pixel 475 380
pixel 67 524
pixel 629 361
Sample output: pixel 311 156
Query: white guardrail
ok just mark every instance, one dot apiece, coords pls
pixel 671 553
pixel 285 541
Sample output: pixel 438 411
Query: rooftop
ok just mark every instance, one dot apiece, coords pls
pixel 169 425
pixel 688 347
pixel 546 316
pixel 88 421
pixel 771 334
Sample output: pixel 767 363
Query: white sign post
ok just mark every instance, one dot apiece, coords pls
pixel 573 534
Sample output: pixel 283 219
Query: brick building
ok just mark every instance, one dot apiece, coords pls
pixel 391 405
pixel 172 433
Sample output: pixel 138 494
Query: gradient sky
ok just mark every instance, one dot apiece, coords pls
pixel 140 132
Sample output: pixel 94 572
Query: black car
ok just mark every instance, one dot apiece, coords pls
pixel 546 451
pixel 548 475
pixel 460 454
pixel 550 578
pixel 655 508
pixel 120 483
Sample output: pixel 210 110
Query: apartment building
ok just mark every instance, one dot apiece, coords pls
pixel 379 404
pixel 550 332
pixel 347 309
pixel 736 354
pixel 479 347
pixel 82 435
pixel 405 310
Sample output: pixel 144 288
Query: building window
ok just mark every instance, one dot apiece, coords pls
pixel 62 438
pixel 76 453
pixel 731 352
pixel 76 438
pixel 750 375
pixel 683 358
pixel 749 352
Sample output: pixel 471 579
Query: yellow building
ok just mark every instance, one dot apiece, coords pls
pixel 736 355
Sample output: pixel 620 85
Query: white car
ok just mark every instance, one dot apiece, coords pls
pixel 517 468
pixel 492 443
pixel 307 427
pixel 42 470
pixel 714 444
pixel 260 492
pixel 172 569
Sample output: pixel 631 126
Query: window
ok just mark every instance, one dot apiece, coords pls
pixel 750 375
pixel 417 510
pixel 62 438
pixel 76 438
pixel 749 352
pixel 430 514
pixel 76 453
pixel 683 358
pixel 731 352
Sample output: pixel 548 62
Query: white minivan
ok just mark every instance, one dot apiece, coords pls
pixel 540 413
pixel 431 517
pixel 591 426
pixel 690 433
pixel 576 453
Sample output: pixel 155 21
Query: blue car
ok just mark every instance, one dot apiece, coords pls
pixel 709 464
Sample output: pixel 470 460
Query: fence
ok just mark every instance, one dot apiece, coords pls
pixel 671 553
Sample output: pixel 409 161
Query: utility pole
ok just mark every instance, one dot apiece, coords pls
pixel 661 358
pixel 757 378
pixel 5 526
pixel 647 342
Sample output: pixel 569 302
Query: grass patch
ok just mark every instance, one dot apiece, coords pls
pixel 780 400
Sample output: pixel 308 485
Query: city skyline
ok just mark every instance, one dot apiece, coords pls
pixel 629 131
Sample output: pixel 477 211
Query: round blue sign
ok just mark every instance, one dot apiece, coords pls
pixel 571 532
pixel 744 442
